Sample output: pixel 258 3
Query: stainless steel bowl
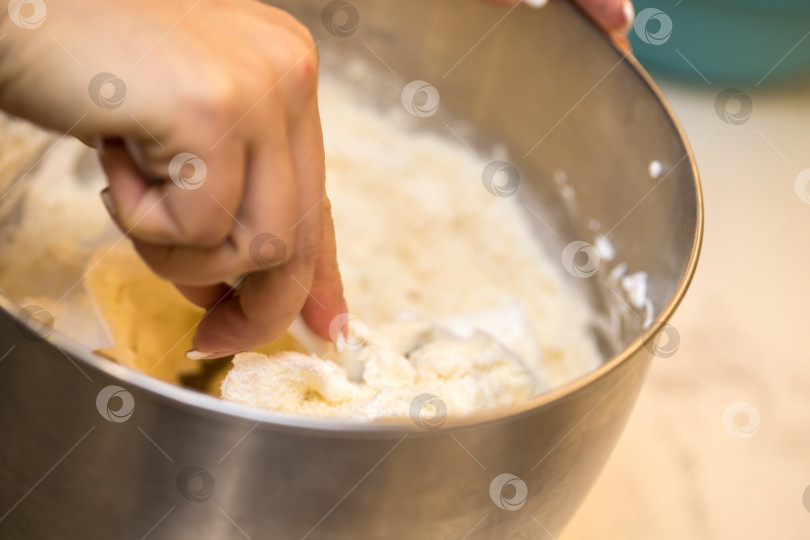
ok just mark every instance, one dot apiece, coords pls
pixel 187 465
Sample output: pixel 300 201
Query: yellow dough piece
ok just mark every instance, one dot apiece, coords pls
pixel 151 323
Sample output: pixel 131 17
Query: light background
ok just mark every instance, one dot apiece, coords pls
pixel 677 472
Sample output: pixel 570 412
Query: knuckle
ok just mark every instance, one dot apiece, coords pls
pixel 300 63
pixel 310 254
pixel 215 102
pixel 205 234
pixel 310 248
pixel 327 208
pixel 265 251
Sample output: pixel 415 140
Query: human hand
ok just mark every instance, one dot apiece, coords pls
pixel 614 16
pixel 212 145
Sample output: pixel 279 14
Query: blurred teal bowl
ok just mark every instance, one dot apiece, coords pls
pixel 740 42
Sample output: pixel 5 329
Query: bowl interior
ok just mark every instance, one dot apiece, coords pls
pixel 601 158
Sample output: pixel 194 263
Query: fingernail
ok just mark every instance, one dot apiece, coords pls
pixel 106 198
pixel 535 3
pixel 629 17
pixel 194 354
pixel 136 153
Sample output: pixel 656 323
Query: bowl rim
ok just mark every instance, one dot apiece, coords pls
pixel 198 403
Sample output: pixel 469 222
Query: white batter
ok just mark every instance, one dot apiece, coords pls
pixel 455 295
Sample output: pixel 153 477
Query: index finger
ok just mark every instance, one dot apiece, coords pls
pixel 270 300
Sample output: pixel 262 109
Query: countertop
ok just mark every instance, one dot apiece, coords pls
pixel 718 445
